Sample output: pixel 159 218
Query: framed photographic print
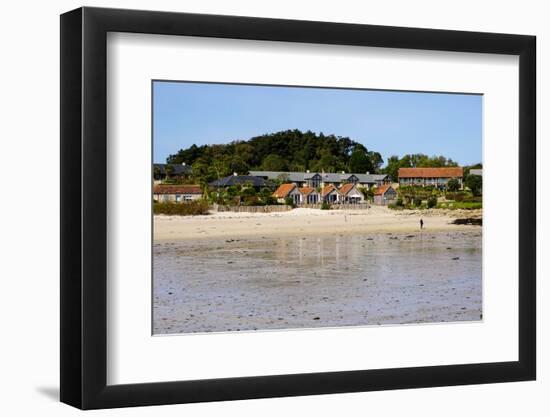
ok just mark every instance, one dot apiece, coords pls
pixel 255 208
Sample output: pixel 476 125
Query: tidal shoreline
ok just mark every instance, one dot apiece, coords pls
pixel 269 282
pixel 302 221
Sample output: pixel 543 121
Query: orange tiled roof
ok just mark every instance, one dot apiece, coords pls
pixel 306 190
pixel 283 190
pixel 382 189
pixel 328 189
pixel 177 189
pixel 447 172
pixel 346 188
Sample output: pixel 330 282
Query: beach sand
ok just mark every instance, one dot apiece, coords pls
pixel 302 221
pixel 310 269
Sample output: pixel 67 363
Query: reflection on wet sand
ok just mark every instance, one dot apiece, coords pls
pixel 261 283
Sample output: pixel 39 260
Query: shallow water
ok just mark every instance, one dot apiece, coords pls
pixel 218 285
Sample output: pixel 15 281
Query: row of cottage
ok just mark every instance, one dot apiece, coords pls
pixel 315 188
pixel 345 194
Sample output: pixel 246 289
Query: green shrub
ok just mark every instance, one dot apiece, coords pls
pixel 252 201
pixel 269 201
pixel 191 208
pixel 461 205
pixel 432 202
pixel 472 199
pixel 289 201
pixel 453 184
pixel 417 201
pixel 399 202
pixel 456 196
pixel 325 206
pixel 395 207
pixel 248 192
pixel 475 184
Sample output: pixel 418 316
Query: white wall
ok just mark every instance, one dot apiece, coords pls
pixel 29 228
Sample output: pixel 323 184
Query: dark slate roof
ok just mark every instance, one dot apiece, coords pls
pixel 179 169
pixel 240 179
pixel 327 177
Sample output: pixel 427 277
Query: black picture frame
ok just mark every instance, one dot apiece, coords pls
pixel 84 208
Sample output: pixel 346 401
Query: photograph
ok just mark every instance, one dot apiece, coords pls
pixel 286 207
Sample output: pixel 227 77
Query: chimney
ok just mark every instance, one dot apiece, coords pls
pixel 368 172
pixel 343 172
pixel 234 174
pixel 307 171
pixel 183 163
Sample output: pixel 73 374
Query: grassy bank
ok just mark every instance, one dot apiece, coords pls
pixel 450 205
pixel 461 205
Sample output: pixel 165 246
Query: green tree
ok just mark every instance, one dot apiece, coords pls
pixel 189 155
pixel 393 166
pixel 238 165
pixel 326 163
pixel 274 162
pixel 245 152
pixel 360 162
pixel 376 160
pixel 219 168
pixel 475 184
pixel 453 185
pixel 201 174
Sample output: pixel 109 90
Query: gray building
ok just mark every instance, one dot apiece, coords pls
pixel 178 170
pixel 322 179
pixel 385 195
pixel 251 180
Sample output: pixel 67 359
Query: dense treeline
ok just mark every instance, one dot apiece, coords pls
pixel 290 150
pixel 293 150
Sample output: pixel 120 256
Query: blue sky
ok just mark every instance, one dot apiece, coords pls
pixel 389 122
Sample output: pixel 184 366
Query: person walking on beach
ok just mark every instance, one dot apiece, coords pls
pixel 421 224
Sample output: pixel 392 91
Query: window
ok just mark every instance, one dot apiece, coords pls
pixel 315 181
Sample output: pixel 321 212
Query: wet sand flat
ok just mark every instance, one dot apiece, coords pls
pixel 347 278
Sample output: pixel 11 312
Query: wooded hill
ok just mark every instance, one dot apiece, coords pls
pixel 290 150
pixel 294 150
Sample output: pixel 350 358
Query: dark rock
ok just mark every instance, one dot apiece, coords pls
pixel 469 220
